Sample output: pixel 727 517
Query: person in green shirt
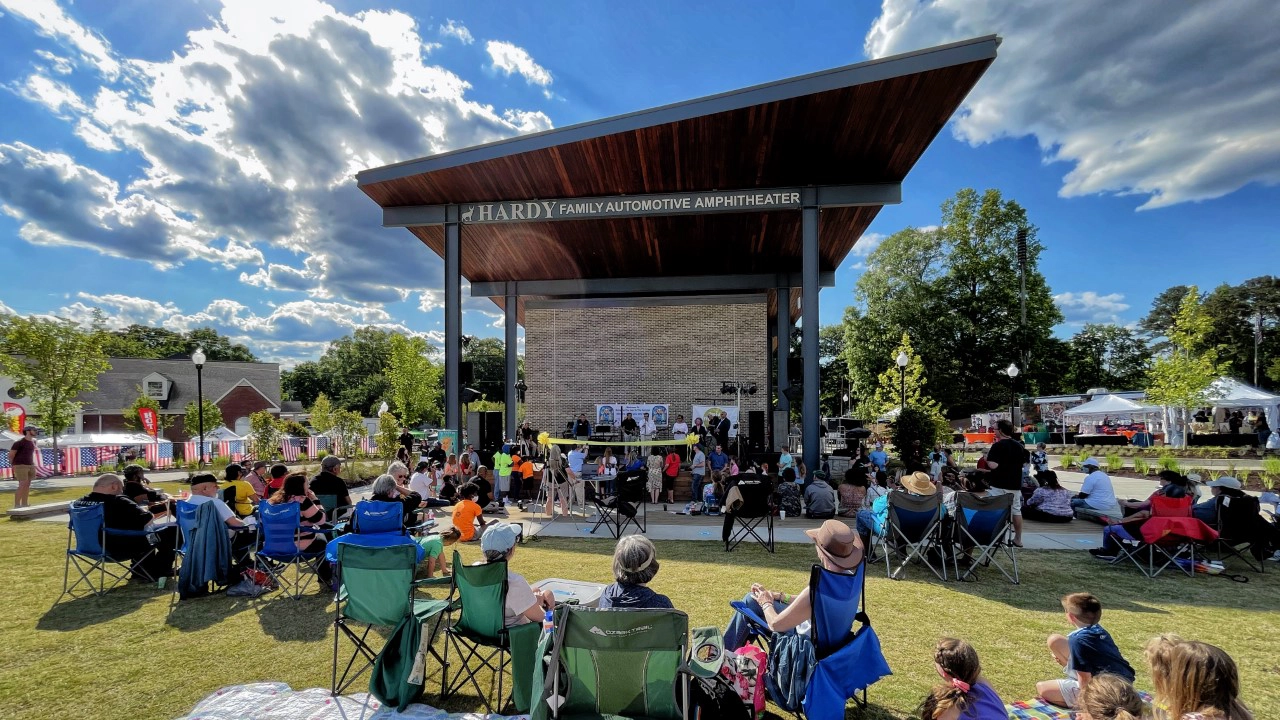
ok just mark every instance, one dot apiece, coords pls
pixel 502 466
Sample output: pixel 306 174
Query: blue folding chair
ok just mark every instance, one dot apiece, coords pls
pixel 985 523
pixel 279 530
pixel 913 530
pixel 847 659
pixel 373 517
pixel 87 535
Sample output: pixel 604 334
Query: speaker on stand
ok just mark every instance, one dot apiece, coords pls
pixel 755 430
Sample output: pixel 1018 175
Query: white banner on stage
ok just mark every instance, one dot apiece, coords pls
pixel 613 413
pixel 708 413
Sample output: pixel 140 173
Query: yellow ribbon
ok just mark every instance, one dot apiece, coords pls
pixel 544 438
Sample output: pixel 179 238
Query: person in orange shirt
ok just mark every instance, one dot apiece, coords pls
pixel 529 487
pixel 466 511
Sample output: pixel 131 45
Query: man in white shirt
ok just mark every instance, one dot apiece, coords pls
pixel 204 489
pixel 1097 499
pixel 647 428
pixel 577 456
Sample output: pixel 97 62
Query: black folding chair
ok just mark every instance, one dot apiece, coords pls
pixel 1242 531
pixel 755 511
pixel 624 509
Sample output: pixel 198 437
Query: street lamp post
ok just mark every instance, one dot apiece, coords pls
pixel 844 405
pixel 198 358
pixel 1012 372
pixel 902 361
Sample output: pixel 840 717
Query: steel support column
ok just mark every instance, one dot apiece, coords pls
pixel 772 392
pixel 453 322
pixel 809 324
pixel 509 329
pixel 782 327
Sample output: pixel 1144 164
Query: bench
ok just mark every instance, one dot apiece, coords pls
pixel 34 511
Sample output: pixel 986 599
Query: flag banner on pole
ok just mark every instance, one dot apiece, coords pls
pixel 236 450
pixel 323 443
pixel 159 454
pixel 148 418
pixel 313 446
pixel 15 416
pixel 289 449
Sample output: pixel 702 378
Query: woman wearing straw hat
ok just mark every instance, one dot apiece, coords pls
pixel 839 550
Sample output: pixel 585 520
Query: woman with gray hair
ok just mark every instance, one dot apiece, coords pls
pixel 635 563
pixel 387 489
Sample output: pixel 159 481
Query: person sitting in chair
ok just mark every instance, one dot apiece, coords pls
pixel 635 563
pixel 328 482
pixel 387 489
pixel 122 513
pixel 238 493
pixel 524 604
pixel 820 498
pixel 839 550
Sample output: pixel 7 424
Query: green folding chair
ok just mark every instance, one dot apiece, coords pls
pixel 377 590
pixel 477 635
pixel 613 664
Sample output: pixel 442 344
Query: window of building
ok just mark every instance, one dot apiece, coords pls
pixel 242 427
pixel 155 389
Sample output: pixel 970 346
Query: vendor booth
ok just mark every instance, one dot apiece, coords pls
pixel 1114 421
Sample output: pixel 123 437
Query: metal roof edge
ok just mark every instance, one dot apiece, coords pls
pixel 916 61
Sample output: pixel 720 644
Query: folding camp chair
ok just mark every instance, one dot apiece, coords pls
pixel 912 531
pixel 755 511
pixel 371 517
pixel 848 659
pixel 279 530
pixel 612 663
pixel 985 523
pixel 87 535
pixel 1242 531
pixel 626 509
pixel 377 589
pixel 334 512
pixel 478 635
pixel 1167 538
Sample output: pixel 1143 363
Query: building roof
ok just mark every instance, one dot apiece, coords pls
pixel 118 387
pixel 861 124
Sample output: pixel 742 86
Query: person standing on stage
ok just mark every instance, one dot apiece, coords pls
pixel 647 428
pixel 654 464
pixel 581 428
pixel 698 467
pixel 629 429
pixel 679 429
pixel 723 426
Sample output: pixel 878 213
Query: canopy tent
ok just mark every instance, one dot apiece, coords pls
pixel 217 434
pixel 1231 393
pixel 8 438
pixel 99 440
pixel 1108 407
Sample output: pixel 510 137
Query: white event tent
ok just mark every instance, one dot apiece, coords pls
pixel 217 434
pixel 1231 393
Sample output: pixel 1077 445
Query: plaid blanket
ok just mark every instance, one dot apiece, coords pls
pixel 1038 709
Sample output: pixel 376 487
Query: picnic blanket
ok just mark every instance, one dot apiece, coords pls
pixel 1038 709
pixel 277 701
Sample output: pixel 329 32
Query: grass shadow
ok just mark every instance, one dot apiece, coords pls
pixel 89 610
pixel 201 613
pixel 306 619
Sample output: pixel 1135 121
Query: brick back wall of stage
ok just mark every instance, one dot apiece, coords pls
pixel 577 357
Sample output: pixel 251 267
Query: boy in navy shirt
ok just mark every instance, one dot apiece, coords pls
pixel 1086 652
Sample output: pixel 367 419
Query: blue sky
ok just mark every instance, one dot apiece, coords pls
pixel 190 163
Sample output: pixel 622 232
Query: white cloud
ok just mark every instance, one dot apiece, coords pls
pixel 249 135
pixel 1177 105
pixel 454 29
pixel 53 22
pixel 513 59
pixel 1090 307
pixel 57 63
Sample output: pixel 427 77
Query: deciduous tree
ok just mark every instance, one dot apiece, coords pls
pixel 1180 378
pixel 414 380
pixel 212 417
pixel 133 422
pixel 1106 356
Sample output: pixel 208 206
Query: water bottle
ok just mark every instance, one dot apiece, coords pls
pixel 548 622
pixel 431 515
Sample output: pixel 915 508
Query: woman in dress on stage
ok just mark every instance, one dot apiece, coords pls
pixel 654 464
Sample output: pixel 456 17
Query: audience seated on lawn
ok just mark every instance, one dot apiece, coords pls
pixel 872 521
pixel 295 490
pixel 328 482
pixel 420 481
pixel 1111 697
pixel 466 513
pixel 964 693
pixel 853 491
pixel 1097 499
pixel 876 489
pixel 138 488
pixel 122 513
pixel 635 563
pixel 1087 651
pixel 1207 511
pixel 839 550
pixel 1050 502
pixel 788 493
pixel 391 488
pixel 820 498
pixel 1172 484
pixel 279 472
pixel 204 488
pixel 1194 680
pixel 524 604
pixel 245 496
pixel 433 546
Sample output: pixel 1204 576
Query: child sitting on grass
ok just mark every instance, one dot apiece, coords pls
pixel 964 694
pixel 1111 697
pixel 1087 651
pixel 466 513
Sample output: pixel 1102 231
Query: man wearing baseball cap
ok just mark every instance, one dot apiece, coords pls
pixel 524 604
pixel 257 478
pixel 1097 499
pixel 328 482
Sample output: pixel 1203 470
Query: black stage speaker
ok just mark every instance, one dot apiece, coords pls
pixel 465 372
pixel 492 430
pixel 795 370
pixel 755 430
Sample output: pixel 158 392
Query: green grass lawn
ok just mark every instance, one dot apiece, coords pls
pixel 40 496
pixel 122 656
